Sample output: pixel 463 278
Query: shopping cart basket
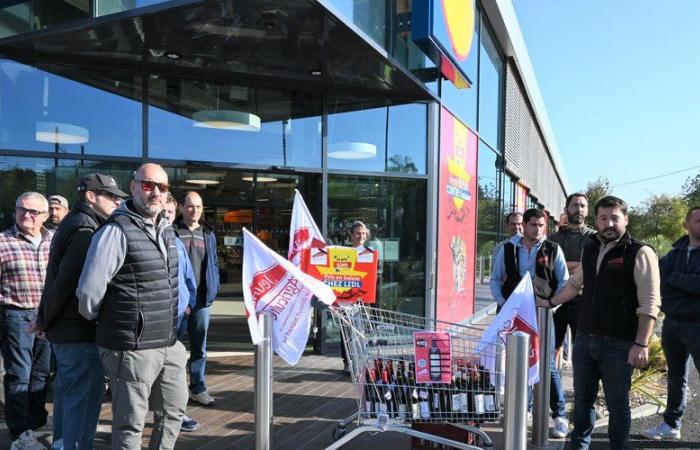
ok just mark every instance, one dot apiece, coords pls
pixel 460 387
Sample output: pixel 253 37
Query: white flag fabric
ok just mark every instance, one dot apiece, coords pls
pixel 518 314
pixel 303 232
pixel 272 285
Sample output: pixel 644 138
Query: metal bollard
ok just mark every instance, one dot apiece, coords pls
pixel 540 416
pixel 263 388
pixel 515 426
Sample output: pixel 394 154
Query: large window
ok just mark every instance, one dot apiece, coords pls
pixel 49 177
pixel 490 89
pixel 489 211
pixel 392 139
pixel 395 213
pixel 199 121
pixel 63 110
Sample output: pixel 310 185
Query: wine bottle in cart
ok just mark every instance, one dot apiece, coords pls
pixel 477 393
pixel 414 395
pixel 387 393
pixel 401 390
pixel 455 391
pixel 380 404
pixel 370 391
pixel 464 397
pixel 491 405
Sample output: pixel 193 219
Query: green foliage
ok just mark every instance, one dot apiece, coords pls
pixel 691 190
pixel 661 244
pixel 649 382
pixel 595 191
pixel 659 215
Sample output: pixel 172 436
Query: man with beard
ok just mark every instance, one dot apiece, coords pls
pixel 571 238
pixel 58 208
pixel 616 315
pixel 129 283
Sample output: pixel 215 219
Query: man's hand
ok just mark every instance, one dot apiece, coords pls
pixel 33 328
pixel 188 310
pixel 542 303
pixel 638 356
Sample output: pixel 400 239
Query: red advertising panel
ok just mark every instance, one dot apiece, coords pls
pixel 351 272
pixel 456 220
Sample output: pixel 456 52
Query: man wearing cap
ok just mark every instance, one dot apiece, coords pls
pixel 24 254
pixel 79 373
pixel 129 283
pixel 58 208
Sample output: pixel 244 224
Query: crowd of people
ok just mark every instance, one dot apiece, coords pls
pixel 608 288
pixel 107 289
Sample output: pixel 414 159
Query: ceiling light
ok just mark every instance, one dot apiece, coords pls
pixel 261 179
pixel 172 55
pixel 316 72
pixel 61 133
pixel 224 119
pixel 203 178
pixel 352 150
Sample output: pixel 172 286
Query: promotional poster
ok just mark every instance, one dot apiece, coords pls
pixel 433 357
pixel 350 272
pixel 456 220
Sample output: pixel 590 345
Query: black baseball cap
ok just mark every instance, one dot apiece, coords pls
pixel 98 182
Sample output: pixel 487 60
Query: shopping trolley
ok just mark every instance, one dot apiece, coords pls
pixel 396 390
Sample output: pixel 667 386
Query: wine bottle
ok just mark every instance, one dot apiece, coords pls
pixel 456 399
pixel 387 394
pixel 370 379
pixel 464 398
pixel 401 390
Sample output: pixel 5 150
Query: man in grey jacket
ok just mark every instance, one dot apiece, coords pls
pixel 129 283
pixel 571 238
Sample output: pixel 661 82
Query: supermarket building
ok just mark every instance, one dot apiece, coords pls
pixel 246 100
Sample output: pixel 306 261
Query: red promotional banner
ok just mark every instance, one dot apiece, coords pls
pixel 433 357
pixel 456 220
pixel 350 272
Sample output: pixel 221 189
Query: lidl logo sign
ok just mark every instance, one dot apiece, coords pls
pixel 444 30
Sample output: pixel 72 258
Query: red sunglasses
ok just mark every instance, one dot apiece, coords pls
pixel 148 186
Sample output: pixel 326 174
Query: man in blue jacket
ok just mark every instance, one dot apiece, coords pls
pixel 187 287
pixel 680 335
pixel 200 242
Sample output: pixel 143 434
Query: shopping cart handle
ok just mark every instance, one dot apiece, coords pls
pixel 377 342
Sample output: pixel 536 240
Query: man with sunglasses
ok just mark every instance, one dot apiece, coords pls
pixel 24 254
pixel 79 374
pixel 129 283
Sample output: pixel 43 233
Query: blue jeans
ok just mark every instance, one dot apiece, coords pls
pixel 27 361
pixel 597 358
pixel 81 380
pixel 679 340
pixel 197 324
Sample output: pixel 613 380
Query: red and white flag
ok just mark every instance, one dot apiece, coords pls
pixel 272 285
pixel 518 314
pixel 303 232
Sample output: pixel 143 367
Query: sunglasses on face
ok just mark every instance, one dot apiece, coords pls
pixel 148 186
pixel 109 196
pixel 32 212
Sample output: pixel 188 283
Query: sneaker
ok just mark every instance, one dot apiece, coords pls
pixel 561 428
pixel 27 441
pixel 189 424
pixel 662 431
pixel 203 398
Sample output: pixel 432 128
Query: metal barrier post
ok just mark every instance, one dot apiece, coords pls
pixel 263 388
pixel 515 426
pixel 540 416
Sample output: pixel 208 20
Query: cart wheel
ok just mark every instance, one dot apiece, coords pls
pixel 339 432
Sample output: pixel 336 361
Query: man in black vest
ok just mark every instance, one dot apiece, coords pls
pixel 129 283
pixel 79 374
pixel 616 315
pixel 545 262
pixel 571 238
pixel 680 334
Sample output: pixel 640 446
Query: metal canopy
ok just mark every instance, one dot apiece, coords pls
pixel 295 44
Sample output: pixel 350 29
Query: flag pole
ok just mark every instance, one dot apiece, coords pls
pixel 263 387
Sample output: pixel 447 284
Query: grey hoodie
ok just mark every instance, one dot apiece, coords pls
pixel 106 256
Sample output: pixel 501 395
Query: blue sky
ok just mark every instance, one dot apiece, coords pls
pixel 621 83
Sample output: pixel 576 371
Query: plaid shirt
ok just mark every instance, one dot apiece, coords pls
pixel 22 268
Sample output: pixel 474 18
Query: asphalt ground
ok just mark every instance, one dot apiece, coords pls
pixel 690 432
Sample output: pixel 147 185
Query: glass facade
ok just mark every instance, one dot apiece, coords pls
pixel 245 140
pixel 43 109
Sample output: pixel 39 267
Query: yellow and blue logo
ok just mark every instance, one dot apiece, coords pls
pixel 444 30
